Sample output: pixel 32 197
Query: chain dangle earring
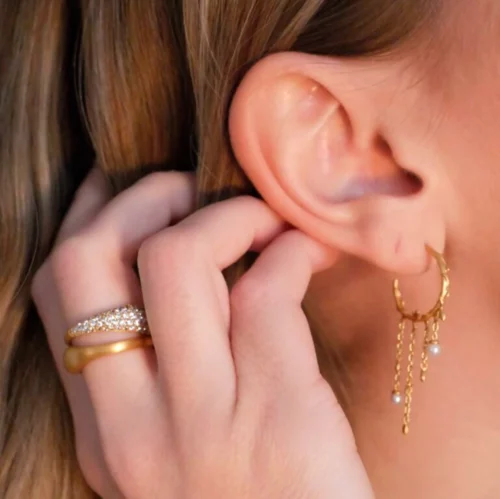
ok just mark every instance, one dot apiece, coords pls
pixel 431 346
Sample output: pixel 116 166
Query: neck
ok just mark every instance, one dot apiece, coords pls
pixel 454 440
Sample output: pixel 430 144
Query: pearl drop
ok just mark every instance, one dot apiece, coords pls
pixel 434 349
pixel 396 398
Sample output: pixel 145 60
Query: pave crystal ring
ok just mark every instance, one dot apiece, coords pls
pixel 129 319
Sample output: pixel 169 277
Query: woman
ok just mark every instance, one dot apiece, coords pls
pixel 367 125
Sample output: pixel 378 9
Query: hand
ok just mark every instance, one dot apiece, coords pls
pixel 230 403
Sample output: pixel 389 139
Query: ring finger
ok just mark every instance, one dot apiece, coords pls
pixel 94 272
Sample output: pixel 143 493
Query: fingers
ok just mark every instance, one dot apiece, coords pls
pixel 89 200
pixel 153 203
pixel 271 338
pixel 186 297
pixel 94 273
pixel 100 259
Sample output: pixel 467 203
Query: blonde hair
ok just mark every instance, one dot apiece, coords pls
pixel 134 85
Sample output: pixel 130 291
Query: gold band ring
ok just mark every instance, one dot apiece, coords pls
pixel 129 319
pixel 76 358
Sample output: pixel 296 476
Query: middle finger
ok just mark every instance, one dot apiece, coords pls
pixel 187 298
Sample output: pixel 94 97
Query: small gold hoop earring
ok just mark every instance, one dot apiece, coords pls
pixel 431 346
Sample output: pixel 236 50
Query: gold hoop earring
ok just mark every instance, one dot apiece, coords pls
pixel 431 346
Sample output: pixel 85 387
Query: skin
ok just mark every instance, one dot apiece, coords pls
pixel 437 114
pixel 221 406
pixel 306 130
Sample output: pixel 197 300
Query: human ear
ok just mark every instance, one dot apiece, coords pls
pixel 307 131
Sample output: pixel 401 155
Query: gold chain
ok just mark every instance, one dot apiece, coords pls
pixel 399 356
pixel 409 380
pixel 435 331
pixel 424 364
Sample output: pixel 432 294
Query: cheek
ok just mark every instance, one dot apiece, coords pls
pixel 464 149
pixel 468 143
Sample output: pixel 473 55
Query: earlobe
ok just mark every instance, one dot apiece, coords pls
pixel 295 131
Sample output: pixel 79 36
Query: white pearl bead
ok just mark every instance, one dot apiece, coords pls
pixel 396 398
pixel 434 349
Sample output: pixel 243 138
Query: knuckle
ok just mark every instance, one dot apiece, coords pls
pixel 69 256
pixel 171 248
pixel 162 177
pixel 150 252
pixel 157 176
pixel 153 179
pixel 173 186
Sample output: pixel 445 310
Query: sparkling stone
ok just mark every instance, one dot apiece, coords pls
pixel 434 349
pixel 396 398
